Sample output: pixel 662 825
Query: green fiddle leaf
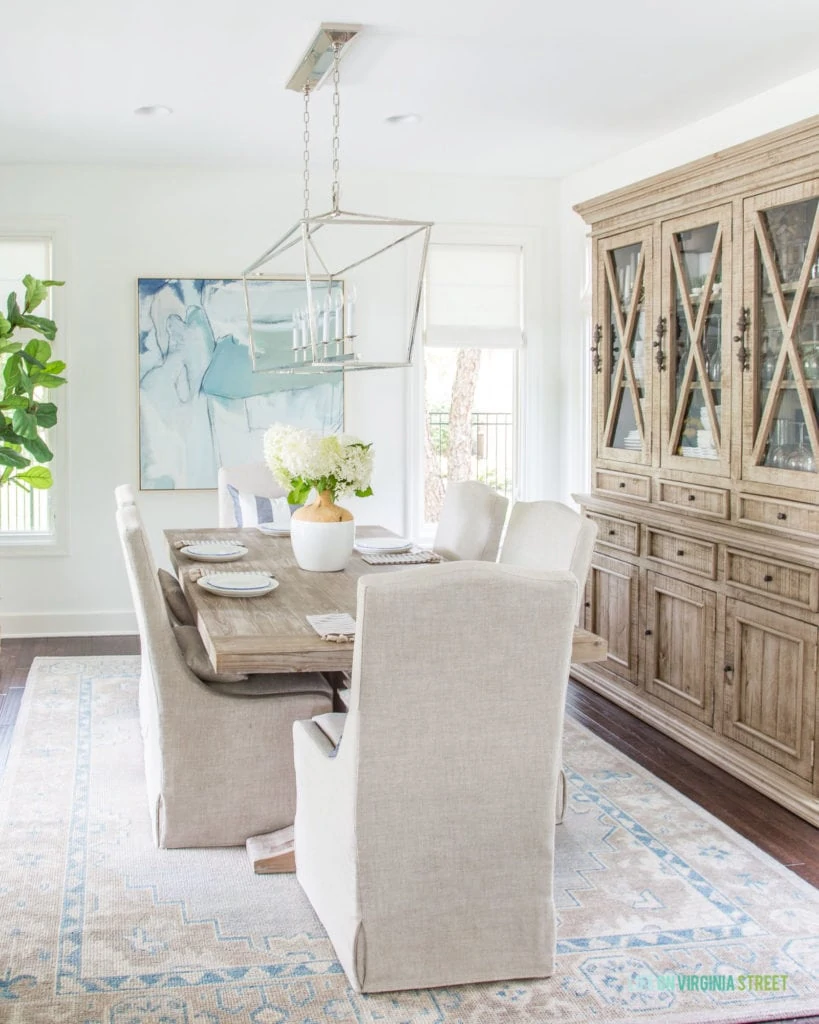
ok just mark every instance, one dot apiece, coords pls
pixel 10 346
pixel 24 423
pixel 12 370
pixel 36 292
pixel 10 457
pixel 57 366
pixel 38 477
pixel 46 413
pixel 38 323
pixel 364 494
pixel 46 380
pixel 5 328
pixel 14 402
pixel 37 447
pixel 12 308
pixel 39 350
pixel 299 491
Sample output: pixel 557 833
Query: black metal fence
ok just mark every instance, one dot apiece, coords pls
pixel 493 448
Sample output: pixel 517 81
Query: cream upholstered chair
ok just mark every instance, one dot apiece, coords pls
pixel 251 479
pixel 425 840
pixel 219 767
pixel 550 535
pixel 471 522
pixel 124 495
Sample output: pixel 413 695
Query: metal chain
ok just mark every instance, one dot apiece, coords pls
pixel 336 119
pixel 306 212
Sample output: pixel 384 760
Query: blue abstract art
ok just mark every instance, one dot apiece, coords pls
pixel 201 405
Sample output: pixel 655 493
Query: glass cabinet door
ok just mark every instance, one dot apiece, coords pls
pixel 781 390
pixel 692 342
pixel 623 413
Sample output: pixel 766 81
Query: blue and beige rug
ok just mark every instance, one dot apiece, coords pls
pixel 665 914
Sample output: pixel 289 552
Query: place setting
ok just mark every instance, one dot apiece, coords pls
pixel 235 584
pixel 393 551
pixel 213 550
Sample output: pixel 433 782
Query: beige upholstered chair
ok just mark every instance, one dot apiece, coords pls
pixel 219 768
pixel 425 840
pixel 471 522
pixel 549 535
pixel 124 495
pixel 254 478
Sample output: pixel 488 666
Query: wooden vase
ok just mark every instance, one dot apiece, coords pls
pixel 323 510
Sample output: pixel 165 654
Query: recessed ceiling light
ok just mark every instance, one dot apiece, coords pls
pixel 154 110
pixel 403 119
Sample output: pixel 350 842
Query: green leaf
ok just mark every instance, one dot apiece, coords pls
pixel 37 476
pixel 15 402
pixel 24 423
pixel 37 323
pixel 36 292
pixel 299 492
pixel 12 308
pixel 46 380
pixel 39 350
pixel 9 457
pixel 37 447
pixel 56 367
pixel 364 494
pixel 5 328
pixel 46 413
pixel 10 346
pixel 13 369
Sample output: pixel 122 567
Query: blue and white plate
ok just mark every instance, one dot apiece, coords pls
pixel 274 531
pixel 238 584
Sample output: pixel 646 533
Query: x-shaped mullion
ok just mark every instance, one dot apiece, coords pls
pixel 788 352
pixel 696 327
pixel 624 367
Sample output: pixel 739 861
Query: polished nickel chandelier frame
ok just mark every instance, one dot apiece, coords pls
pixel 333 346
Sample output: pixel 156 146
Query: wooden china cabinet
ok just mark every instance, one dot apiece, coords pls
pixel 705 380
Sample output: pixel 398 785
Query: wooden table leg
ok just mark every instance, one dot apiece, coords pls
pixel 272 853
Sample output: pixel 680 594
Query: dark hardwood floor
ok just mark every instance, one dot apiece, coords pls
pixel 785 837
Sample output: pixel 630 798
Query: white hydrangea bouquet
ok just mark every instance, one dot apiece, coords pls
pixel 304 460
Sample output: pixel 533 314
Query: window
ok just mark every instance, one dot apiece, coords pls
pixel 473 331
pixel 25 516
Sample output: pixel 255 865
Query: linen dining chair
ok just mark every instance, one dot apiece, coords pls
pixel 241 490
pixel 124 495
pixel 550 535
pixel 423 840
pixel 471 522
pixel 218 758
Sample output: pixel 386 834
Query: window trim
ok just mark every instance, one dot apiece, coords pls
pixel 22 545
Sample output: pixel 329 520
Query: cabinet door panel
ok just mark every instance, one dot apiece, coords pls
pixel 770 694
pixel 780 442
pixel 623 383
pixel 696 372
pixel 613 611
pixel 679 646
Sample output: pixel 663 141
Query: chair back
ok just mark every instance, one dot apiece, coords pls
pixel 456 717
pixel 124 495
pixel 471 522
pixel 253 478
pixel 549 535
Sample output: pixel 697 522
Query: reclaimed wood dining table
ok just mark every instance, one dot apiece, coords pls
pixel 271 633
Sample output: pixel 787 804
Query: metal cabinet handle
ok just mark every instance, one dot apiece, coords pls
pixel 743 323
pixel 660 332
pixel 597 337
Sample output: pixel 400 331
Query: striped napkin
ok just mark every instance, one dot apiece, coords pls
pixel 415 556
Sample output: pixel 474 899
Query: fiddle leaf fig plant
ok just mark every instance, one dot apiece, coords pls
pixel 27 374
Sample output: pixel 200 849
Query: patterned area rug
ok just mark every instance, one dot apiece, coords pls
pixel 665 913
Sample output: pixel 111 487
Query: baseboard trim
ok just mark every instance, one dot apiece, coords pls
pixel 36 624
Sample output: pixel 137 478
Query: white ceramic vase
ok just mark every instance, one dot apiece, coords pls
pixel 322 547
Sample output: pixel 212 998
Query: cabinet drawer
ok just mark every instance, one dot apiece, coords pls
pixel 793 584
pixel 617 533
pixel 702 501
pixel 790 516
pixel 696 556
pixel 627 485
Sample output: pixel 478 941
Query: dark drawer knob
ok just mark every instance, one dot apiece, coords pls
pixel 729 668
pixel 681 552
pixel 768 578
pixel 781 515
pixel 692 497
pixel 622 484
pixel 612 533
pixel 648 632
pixel 587 604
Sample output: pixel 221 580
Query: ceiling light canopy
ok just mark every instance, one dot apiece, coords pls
pixel 403 119
pixel 154 110
pixel 363 273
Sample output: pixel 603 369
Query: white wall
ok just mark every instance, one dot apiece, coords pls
pixel 114 225
pixel 777 108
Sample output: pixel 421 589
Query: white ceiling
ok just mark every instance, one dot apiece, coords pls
pixel 511 87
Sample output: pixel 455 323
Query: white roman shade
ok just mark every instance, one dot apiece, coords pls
pixel 474 296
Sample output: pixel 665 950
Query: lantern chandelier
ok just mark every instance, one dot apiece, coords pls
pixel 357 277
